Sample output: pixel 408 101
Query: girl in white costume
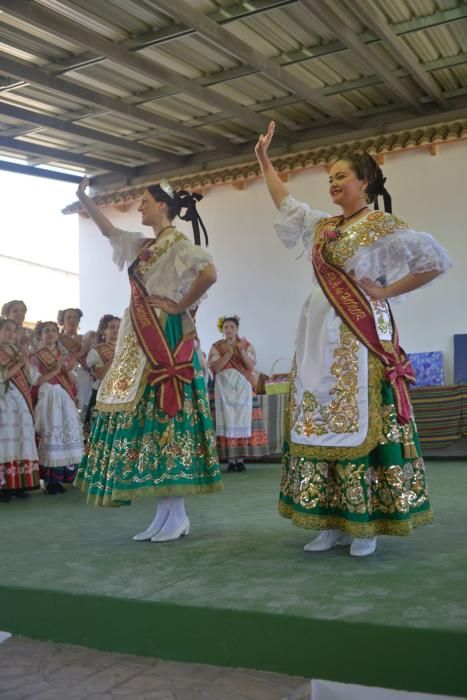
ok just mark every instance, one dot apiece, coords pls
pixel 57 420
pixel 239 418
pixel 19 466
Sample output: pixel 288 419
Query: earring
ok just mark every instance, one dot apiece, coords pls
pixel 365 197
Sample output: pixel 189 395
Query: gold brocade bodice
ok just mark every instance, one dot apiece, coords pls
pixel 362 233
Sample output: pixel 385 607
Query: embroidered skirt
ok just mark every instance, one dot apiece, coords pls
pixel 251 447
pixel 382 492
pixel 19 466
pixel 144 451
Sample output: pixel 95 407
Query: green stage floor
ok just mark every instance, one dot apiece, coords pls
pixel 240 590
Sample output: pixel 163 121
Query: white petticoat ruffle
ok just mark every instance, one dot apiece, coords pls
pixel 403 252
pixel 125 246
pixel 297 221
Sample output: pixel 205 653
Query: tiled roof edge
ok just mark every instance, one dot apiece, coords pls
pixel 238 175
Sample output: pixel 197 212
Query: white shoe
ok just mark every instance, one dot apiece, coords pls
pixel 147 534
pixel 181 531
pixel 325 540
pixel 363 546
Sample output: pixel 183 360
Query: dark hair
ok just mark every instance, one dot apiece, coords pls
pixel 4 320
pixel 61 315
pixel 40 325
pixel 177 201
pixel 6 308
pixel 234 319
pixel 365 167
pixel 103 325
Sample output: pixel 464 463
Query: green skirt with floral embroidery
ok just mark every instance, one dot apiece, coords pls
pixel 379 493
pixel 145 451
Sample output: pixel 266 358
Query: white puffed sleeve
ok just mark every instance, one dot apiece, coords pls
pixel 93 359
pixel 296 221
pixel 125 246
pixel 394 256
pixel 189 260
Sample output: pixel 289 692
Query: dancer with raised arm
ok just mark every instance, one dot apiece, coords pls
pixel 153 431
pixel 352 466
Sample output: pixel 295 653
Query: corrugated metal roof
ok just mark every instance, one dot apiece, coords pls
pixel 198 80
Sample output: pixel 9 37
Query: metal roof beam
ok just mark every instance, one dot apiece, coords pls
pixel 49 122
pixel 65 87
pixel 333 17
pixel 338 89
pixel 141 41
pixel 371 125
pixel 236 12
pixel 38 172
pixel 172 32
pixel 376 21
pixel 33 149
pixel 243 10
pixel 206 27
pixel 72 31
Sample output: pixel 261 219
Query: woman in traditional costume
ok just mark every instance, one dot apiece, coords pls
pixel 99 359
pixel 19 466
pixel 153 432
pixel 15 310
pixel 239 418
pixel 72 343
pixel 352 465
pixel 57 419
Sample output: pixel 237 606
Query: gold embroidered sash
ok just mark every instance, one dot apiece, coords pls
pixel 48 360
pixel 352 306
pixel 19 379
pixel 235 361
pixel 170 370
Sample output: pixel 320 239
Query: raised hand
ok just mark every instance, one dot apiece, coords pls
pixel 82 186
pixel 264 140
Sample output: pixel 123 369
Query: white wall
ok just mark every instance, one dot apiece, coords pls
pixel 265 284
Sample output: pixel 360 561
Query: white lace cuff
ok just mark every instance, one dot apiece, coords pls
pixel 125 246
pixel 393 257
pixel 296 221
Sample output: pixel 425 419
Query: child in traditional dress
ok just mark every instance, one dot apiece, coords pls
pixel 19 466
pixel 77 346
pixel 100 358
pixel 57 419
pixel 239 418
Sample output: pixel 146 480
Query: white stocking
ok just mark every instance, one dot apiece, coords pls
pixel 177 515
pixel 162 514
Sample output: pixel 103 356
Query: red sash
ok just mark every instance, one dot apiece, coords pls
pixel 352 306
pixel 235 362
pixel 19 379
pixel 170 370
pixel 105 352
pixel 49 360
pixel 75 347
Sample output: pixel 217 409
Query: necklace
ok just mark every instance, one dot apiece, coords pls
pixel 332 230
pixel 347 218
